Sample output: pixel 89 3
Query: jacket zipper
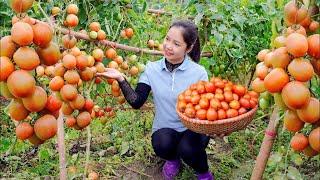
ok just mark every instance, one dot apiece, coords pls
pixel 172 84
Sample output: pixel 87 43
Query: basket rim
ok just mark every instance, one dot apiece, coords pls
pixel 216 122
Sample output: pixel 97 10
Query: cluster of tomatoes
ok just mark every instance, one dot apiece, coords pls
pixel 215 100
pixel 285 71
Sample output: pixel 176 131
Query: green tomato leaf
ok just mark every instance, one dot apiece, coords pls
pixel 293 173
pixel 124 148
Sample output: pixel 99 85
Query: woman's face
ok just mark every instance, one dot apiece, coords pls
pixel 174 46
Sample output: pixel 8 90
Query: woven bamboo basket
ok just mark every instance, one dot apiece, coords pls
pixel 223 126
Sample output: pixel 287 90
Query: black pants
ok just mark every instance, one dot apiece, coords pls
pixel 187 145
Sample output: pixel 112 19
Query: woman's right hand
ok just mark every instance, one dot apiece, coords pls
pixel 111 73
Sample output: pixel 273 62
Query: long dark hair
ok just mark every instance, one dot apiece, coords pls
pixel 190 36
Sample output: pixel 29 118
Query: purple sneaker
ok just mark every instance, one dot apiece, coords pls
pixel 205 176
pixel 171 169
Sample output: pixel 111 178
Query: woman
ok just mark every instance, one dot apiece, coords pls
pixel 167 78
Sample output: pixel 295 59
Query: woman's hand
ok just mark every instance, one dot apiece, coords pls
pixel 111 73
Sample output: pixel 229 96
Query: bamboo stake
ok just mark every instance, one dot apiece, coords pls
pixel 61 147
pixel 266 146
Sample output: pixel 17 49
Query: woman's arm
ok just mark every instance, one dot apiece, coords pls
pixel 136 98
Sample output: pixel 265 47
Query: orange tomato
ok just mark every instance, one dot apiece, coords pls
pixel 187 99
pixel 190 112
pixel 235 97
pixel 201 88
pixel 193 86
pixel 238 89
pixel 253 103
pixel 181 97
pixel 212 114
pixel 234 104
pixel 215 104
pixel 210 88
pixel 219 96
pixel 201 114
pixel 209 96
pixel 182 106
pixel 244 103
pixel 204 103
pixel 232 113
pixel 253 94
pixel 224 105
pixel 228 96
pixel 195 99
pixel 219 84
pixel 188 92
pixel 242 110
pixel 194 92
pixel 218 90
pixel 189 105
pixel 222 114
pixel 197 107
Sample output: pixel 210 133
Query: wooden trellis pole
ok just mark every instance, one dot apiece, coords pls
pixel 61 147
pixel 266 146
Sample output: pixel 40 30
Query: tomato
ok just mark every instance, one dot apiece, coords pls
pixel 201 114
pixel 209 96
pixel 245 103
pixel 201 88
pixel 224 105
pixel 187 99
pixel 227 88
pixel 234 104
pixel 242 110
pixel 219 96
pixel 188 92
pixel 194 93
pixel 193 87
pixel 239 90
pixel 197 107
pixel 210 88
pixel 253 103
pixel 222 114
pixel 253 94
pixel 195 99
pixel 246 96
pixel 263 103
pixel 212 114
pixel 215 104
pixel 266 95
pixel 219 84
pixel 219 91
pixel 189 105
pixel 235 97
pixel 228 96
pixel 232 113
pixel 181 97
pixel 190 112
pixel 182 106
pixel 204 103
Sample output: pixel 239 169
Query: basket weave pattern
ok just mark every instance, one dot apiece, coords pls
pixel 223 126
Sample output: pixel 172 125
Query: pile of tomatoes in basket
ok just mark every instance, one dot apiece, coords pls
pixel 215 100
